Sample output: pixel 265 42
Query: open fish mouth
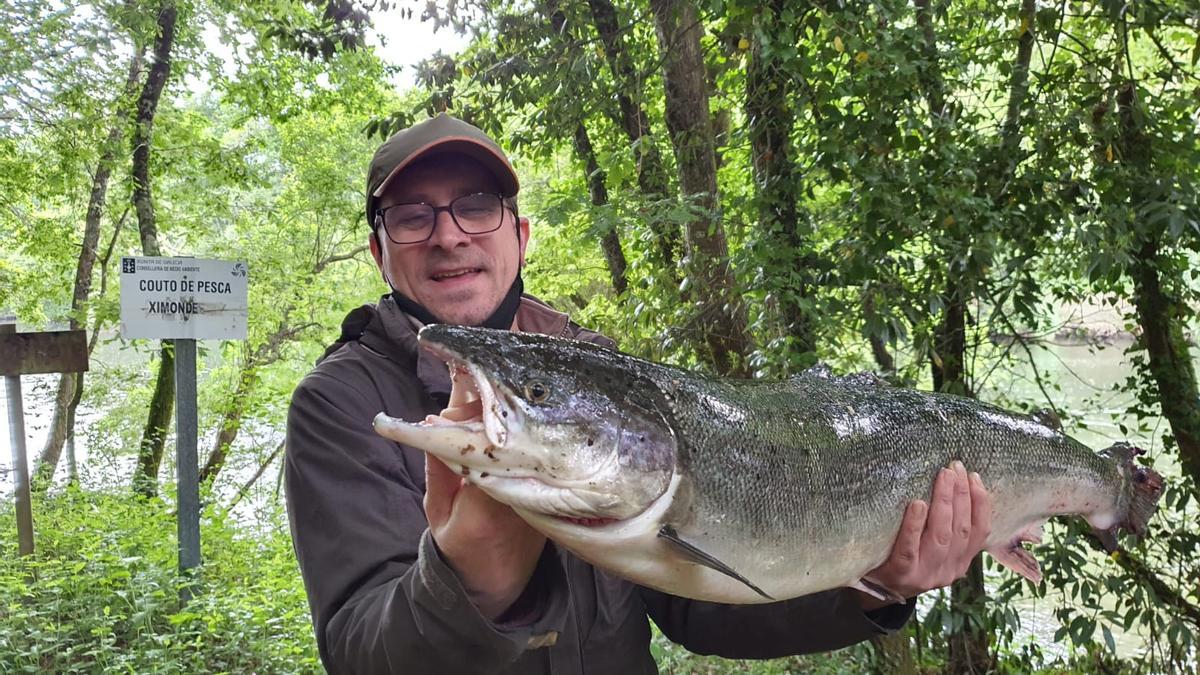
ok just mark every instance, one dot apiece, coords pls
pixel 474 436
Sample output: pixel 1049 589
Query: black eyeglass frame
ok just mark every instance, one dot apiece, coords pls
pixel 505 203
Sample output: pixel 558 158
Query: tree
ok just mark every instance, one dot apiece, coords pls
pixel 713 291
pixel 781 235
pixel 158 418
pixel 70 385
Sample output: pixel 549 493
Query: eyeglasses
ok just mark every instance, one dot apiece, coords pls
pixel 478 213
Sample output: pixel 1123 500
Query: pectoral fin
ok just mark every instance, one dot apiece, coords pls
pixel 668 533
pixel 1108 538
pixel 874 588
pixel 1018 560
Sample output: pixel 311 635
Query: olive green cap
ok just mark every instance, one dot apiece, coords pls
pixel 435 136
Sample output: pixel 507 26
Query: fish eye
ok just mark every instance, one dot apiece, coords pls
pixel 537 391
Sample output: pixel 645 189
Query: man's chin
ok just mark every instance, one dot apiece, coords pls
pixel 464 311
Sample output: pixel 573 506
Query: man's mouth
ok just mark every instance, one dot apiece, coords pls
pixel 455 273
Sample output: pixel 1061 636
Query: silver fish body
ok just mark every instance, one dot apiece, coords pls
pixel 746 491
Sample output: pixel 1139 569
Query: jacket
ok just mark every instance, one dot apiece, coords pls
pixel 382 598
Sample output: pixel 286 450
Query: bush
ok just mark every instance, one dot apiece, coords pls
pixel 101 594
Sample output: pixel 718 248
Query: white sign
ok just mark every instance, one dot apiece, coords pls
pixel 177 298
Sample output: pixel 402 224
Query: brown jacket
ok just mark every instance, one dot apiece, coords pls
pixel 382 598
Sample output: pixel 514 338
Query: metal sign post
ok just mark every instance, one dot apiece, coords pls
pixel 187 471
pixel 26 354
pixel 182 300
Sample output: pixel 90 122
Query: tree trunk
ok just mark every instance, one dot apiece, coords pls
pixel 950 341
pixel 970 650
pixel 1170 361
pixel 879 348
pixel 652 175
pixel 781 240
pixel 158 418
pixel 970 646
pixel 1171 366
pixel 265 354
pixel 893 654
pixel 67 395
pixel 725 338
pixel 156 79
pixel 60 424
pixel 610 240
pixel 231 421
pixel 163 402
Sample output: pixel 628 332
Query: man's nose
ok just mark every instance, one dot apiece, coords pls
pixel 446 233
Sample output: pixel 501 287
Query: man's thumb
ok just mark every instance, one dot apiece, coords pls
pixel 441 486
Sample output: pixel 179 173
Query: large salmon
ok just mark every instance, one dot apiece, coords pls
pixel 745 491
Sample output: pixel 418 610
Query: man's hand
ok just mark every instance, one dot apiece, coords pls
pixel 937 540
pixel 488 546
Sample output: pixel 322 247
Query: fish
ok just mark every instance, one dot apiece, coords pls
pixel 746 491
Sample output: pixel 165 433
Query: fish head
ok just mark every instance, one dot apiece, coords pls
pixel 557 427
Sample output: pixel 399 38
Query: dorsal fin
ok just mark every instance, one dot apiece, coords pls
pixel 1047 418
pixel 866 379
pixel 699 557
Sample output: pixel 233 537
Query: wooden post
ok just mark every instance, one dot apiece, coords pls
pixel 16 436
pixel 28 353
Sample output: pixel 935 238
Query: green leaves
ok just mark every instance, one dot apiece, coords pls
pixel 105 597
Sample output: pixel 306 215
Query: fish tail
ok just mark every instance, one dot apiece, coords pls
pixel 1147 489
pixel 1143 489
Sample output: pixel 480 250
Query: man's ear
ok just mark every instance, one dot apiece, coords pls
pixel 523 236
pixel 376 253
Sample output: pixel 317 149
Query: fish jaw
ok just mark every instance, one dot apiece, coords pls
pixel 456 444
pixel 468 450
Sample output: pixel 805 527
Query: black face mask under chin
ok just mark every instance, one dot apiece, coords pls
pixel 502 318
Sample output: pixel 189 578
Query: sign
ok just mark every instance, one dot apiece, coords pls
pixel 50 352
pixel 183 298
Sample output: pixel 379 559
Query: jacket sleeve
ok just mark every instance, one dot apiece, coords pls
pixel 819 622
pixel 382 598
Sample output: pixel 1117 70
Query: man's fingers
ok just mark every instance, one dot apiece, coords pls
pixel 962 505
pixel 940 523
pixel 981 514
pixel 441 485
pixel 906 550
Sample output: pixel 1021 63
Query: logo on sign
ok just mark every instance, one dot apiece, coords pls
pixel 128 265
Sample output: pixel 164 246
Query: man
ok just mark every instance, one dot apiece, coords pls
pixel 409 570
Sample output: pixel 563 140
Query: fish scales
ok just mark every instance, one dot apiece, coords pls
pixel 746 491
pixel 836 461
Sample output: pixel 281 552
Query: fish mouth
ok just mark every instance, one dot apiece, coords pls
pixel 473 397
pixel 472 436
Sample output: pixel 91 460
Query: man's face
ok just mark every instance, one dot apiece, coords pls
pixel 460 278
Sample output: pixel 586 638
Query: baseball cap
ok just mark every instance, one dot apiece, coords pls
pixel 435 136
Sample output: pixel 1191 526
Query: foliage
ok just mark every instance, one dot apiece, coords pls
pixel 102 594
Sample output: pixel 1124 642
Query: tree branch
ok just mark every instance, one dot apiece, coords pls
pixel 262 468
pixel 352 253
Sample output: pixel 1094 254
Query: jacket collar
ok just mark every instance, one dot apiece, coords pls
pixel 393 333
